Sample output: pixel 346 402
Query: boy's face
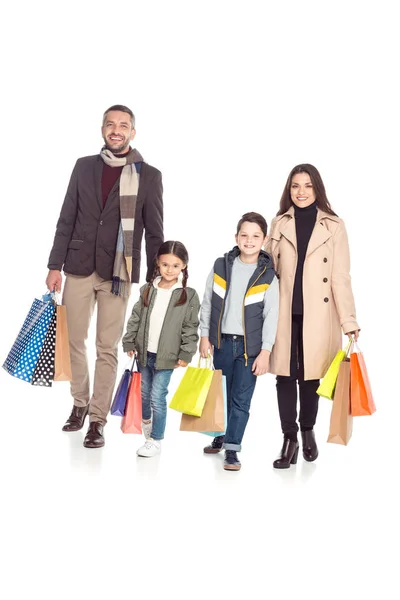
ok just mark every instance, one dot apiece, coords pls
pixel 250 240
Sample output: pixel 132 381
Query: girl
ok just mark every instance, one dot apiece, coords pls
pixel 162 332
pixel 309 245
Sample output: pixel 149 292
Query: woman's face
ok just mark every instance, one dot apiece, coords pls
pixel 301 190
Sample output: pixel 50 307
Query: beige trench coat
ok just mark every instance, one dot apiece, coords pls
pixel 327 295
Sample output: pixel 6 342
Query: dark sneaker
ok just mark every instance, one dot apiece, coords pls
pixel 231 462
pixel 215 446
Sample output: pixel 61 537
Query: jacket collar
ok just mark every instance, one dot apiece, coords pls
pixel 264 259
pixel 319 235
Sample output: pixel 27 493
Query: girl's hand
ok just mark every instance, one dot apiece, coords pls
pixel 181 363
pixel 354 334
pixel 206 347
pixel 131 353
pixel 261 364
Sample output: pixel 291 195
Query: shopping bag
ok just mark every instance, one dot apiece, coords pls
pixel 327 385
pixel 341 425
pixel 217 432
pixel 23 356
pixel 132 420
pixel 213 417
pixel 121 395
pixel 361 399
pixel 191 394
pixel 44 372
pixel 62 369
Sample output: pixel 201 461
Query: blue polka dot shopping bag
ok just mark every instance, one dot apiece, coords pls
pixel 24 355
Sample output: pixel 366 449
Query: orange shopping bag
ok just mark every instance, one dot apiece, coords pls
pixel 62 369
pixel 361 400
pixel 132 419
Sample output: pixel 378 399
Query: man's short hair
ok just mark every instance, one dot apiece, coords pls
pixel 121 108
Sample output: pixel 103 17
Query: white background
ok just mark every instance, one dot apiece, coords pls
pixel 228 97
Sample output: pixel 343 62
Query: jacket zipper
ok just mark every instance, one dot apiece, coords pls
pixel 165 318
pixel 145 329
pixel 244 325
pixel 219 322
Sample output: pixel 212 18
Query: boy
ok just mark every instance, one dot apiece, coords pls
pixel 238 322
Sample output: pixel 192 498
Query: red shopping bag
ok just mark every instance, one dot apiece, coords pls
pixel 132 419
pixel 361 400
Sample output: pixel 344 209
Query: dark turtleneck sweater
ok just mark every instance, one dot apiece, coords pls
pixel 110 176
pixel 305 219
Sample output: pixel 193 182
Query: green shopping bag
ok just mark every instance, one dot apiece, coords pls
pixel 328 384
pixel 190 396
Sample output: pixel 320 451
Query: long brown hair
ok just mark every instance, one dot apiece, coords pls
pixel 318 185
pixel 178 250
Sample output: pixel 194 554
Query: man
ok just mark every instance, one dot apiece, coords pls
pixel 111 198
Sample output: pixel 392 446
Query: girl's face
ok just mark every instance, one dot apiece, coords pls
pixel 170 267
pixel 250 240
pixel 301 190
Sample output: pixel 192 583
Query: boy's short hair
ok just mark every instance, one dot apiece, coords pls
pixel 253 217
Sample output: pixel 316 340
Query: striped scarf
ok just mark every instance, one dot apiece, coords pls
pixel 128 191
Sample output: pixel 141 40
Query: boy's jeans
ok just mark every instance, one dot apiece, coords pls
pixel 240 384
pixel 154 395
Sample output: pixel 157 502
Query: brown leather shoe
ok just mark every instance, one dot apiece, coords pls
pixel 76 419
pixel 94 437
pixel 215 446
pixel 310 449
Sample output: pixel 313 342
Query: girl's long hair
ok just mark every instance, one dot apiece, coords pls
pixel 318 185
pixel 179 250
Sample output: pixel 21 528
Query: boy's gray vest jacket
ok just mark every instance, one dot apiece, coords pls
pixel 253 302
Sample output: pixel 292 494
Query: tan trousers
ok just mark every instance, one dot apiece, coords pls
pixel 80 296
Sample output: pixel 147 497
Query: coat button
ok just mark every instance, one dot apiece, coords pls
pixel 325 259
pixel 326 299
pixel 325 279
pixel 279 255
pixel 101 222
pixel 278 276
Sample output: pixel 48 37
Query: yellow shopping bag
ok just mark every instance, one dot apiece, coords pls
pixel 190 396
pixel 328 384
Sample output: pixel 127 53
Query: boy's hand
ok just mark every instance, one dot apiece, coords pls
pixel 131 353
pixel 261 364
pixel 206 347
pixel 181 363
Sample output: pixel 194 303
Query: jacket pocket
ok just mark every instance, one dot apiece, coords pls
pixel 75 244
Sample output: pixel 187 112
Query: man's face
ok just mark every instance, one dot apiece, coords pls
pixel 117 131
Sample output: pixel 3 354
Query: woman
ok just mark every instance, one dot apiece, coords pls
pixel 309 246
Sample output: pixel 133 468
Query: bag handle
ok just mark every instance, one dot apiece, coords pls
pixel 209 362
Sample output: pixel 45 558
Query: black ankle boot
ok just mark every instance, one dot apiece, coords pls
pixel 310 449
pixel 288 454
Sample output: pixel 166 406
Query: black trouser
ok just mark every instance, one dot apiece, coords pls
pixel 287 388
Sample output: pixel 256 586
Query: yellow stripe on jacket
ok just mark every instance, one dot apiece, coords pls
pixel 219 286
pixel 256 294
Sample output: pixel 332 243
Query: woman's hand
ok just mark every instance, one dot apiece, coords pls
pixel 206 347
pixel 181 363
pixel 131 353
pixel 261 364
pixel 354 334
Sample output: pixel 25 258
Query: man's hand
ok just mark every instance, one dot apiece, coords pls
pixel 181 363
pixel 54 280
pixel 206 347
pixel 261 364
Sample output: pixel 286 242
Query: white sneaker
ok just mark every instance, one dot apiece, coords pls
pixel 150 448
pixel 146 428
